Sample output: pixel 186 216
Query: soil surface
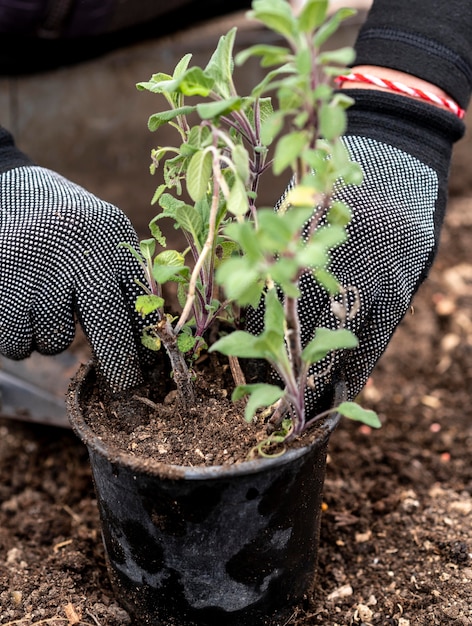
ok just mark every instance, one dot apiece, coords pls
pixel 396 538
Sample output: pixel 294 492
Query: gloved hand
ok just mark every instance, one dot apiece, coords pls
pixel 403 147
pixel 60 256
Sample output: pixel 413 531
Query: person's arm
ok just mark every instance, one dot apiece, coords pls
pixel 428 39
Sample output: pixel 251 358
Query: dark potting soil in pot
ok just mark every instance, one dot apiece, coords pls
pixel 148 423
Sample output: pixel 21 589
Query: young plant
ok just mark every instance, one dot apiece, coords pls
pixel 242 255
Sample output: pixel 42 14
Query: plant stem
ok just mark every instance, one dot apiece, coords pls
pixel 201 259
pixel 180 371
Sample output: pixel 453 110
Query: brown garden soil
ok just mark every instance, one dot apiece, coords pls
pixel 396 537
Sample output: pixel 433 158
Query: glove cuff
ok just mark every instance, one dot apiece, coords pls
pixel 425 38
pixel 424 131
pixel 10 155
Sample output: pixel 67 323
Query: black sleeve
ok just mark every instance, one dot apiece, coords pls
pixel 430 39
pixel 10 155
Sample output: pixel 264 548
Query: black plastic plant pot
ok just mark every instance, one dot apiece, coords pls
pixel 208 546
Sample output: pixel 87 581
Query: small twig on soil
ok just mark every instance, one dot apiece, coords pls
pixel 289 619
pixel 93 617
pixel 77 519
pixel 150 403
pixel 61 544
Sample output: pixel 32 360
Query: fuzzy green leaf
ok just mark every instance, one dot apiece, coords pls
pixel 274 318
pixel 342 56
pixel 220 65
pixel 288 150
pixel 327 340
pixel 167 265
pixel 331 26
pixel 275 14
pixel 332 120
pixel 147 304
pixel 241 162
pixel 241 281
pixel 190 220
pixel 312 15
pixel 157 233
pixel 355 412
pixel 326 280
pixel 329 236
pixel 182 65
pixel 260 395
pixel 147 248
pixel 339 214
pixel 239 343
pixel 159 119
pixel 185 342
pixel 194 82
pixel 150 340
pixel 210 110
pixel 199 174
pixel 271 55
pixel 238 200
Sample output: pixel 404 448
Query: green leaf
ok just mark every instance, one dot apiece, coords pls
pixel 312 255
pixel 288 149
pixel 312 15
pixel 240 280
pixel 191 221
pixel 182 65
pixel 210 110
pixel 238 200
pixel 147 304
pixel 147 248
pixel 339 214
pixel 342 56
pixel 260 395
pixel 185 342
pixel 330 236
pixel 240 158
pixel 274 317
pixel 154 84
pixel 272 55
pixel 326 280
pixel 220 65
pixel 355 412
pixel 271 127
pixel 239 343
pixel 157 233
pixel 332 121
pixel 331 26
pixel 194 82
pixel 327 340
pixel 276 15
pixel 159 119
pixel 198 174
pixel 150 340
pixel 245 235
pixel 167 265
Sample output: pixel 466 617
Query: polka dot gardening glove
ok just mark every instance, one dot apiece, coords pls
pixel 60 258
pixel 404 150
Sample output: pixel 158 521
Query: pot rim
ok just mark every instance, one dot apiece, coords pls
pixel 165 470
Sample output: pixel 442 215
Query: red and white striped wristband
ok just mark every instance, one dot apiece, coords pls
pixel 448 103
